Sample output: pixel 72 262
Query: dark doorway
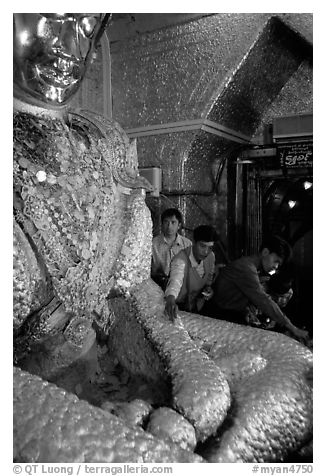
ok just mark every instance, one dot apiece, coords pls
pixel 264 198
pixel 287 210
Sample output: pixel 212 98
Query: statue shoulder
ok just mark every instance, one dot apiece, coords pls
pixel 118 150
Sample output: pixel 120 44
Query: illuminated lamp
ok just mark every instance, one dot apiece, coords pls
pixel 307 185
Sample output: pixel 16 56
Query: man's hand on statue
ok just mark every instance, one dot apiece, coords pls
pixel 301 334
pixel 171 308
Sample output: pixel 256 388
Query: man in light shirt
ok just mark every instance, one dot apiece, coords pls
pixel 166 245
pixel 191 274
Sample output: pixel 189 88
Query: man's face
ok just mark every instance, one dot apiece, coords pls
pixel 270 261
pixel 170 226
pixel 51 53
pixel 201 249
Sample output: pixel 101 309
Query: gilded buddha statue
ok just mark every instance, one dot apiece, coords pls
pixel 74 175
pixel 82 250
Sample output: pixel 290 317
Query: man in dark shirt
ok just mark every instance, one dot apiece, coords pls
pixel 238 285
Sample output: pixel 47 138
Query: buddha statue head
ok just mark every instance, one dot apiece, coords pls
pixel 51 54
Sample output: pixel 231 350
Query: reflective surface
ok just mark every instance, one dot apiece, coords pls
pixel 51 54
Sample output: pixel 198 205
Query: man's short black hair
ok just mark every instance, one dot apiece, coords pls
pixel 172 212
pixel 276 244
pixel 205 233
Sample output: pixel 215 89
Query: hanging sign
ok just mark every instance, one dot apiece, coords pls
pixel 295 155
